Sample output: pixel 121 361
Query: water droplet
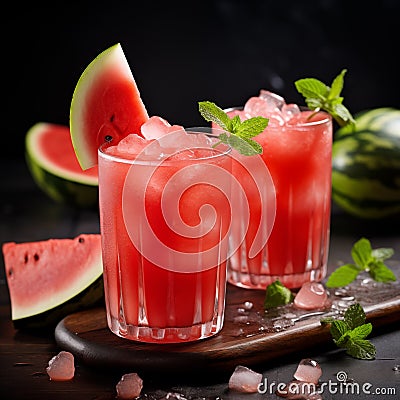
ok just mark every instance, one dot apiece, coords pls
pixel 396 368
pixel 248 305
pixel 341 292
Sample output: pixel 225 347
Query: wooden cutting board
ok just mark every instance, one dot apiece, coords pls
pixel 87 336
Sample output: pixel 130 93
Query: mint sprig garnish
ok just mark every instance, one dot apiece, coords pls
pixel 319 96
pixel 351 332
pixel 276 295
pixel 365 259
pixel 238 134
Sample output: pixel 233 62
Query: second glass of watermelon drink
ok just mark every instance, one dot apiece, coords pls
pixel 165 217
pixel 297 147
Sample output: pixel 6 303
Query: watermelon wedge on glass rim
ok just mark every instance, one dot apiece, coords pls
pixel 106 105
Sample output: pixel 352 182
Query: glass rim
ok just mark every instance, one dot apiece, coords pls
pixel 168 159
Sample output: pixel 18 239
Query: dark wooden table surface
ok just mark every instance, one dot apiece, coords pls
pixel 26 214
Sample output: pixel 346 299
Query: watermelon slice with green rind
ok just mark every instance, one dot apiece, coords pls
pixel 50 279
pixel 106 104
pixel 52 162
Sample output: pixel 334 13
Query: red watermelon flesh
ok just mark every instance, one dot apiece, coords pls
pixel 51 147
pixel 106 104
pixel 56 145
pixel 44 274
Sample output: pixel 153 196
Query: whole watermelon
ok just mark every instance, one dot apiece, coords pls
pixel 366 165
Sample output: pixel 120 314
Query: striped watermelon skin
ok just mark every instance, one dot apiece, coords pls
pixel 366 165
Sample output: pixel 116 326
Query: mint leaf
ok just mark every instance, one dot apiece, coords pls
pixel 362 253
pixel 277 295
pixel 212 113
pixel 312 88
pixel 351 333
pixel 361 332
pixel 238 134
pixel 244 146
pixel 361 348
pixel 338 329
pixel 354 316
pixel 251 127
pixel 382 253
pixel 381 273
pixel 366 259
pixel 343 276
pixel 319 96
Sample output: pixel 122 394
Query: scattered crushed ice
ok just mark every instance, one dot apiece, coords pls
pixel 129 386
pixel 61 367
pixel 311 296
pixel 308 370
pixel 304 386
pixel 245 380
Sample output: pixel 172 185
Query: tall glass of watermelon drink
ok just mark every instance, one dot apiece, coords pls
pixel 165 218
pixel 297 147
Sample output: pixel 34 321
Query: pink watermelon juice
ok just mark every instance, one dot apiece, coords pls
pixel 297 153
pixel 164 254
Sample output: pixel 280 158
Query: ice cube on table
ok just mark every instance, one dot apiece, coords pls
pixel 61 367
pixel 129 386
pixel 311 296
pixel 308 370
pixel 245 380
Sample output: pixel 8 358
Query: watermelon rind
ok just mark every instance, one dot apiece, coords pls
pixel 105 105
pixel 50 279
pixel 61 185
pixel 92 296
pixel 366 165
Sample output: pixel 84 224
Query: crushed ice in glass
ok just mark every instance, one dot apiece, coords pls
pixel 156 127
pixel 271 106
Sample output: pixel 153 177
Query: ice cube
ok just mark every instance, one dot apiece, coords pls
pixel 245 380
pixel 156 127
pixel 129 146
pixel 273 100
pixel 61 367
pixel 267 105
pixel 308 370
pixel 129 386
pixel 256 106
pixel 312 295
pixel 289 110
pixel 181 140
